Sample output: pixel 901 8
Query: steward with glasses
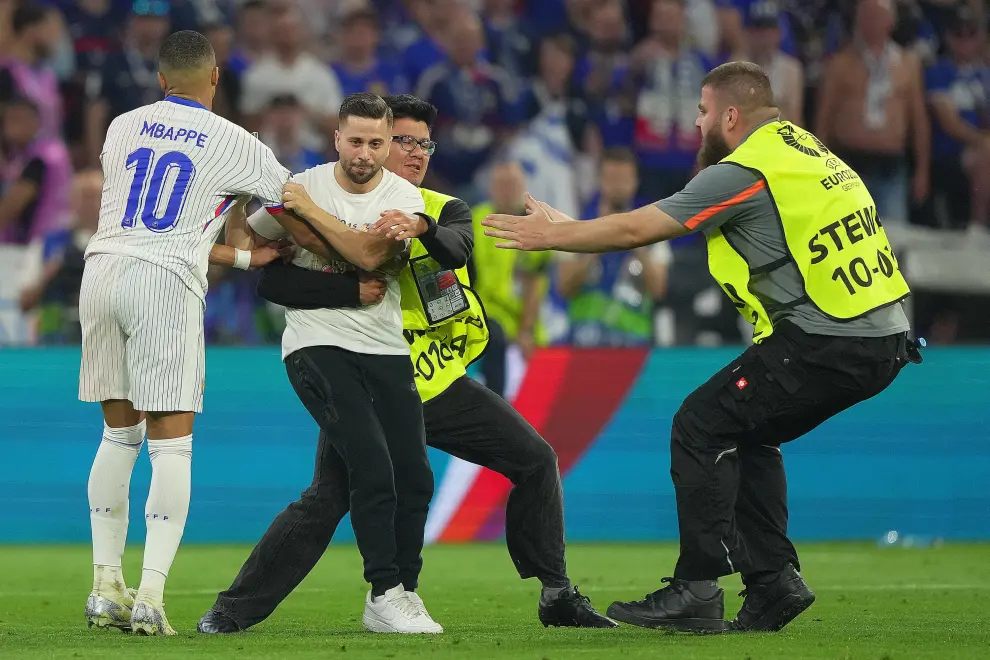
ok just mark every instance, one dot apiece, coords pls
pixel 445 326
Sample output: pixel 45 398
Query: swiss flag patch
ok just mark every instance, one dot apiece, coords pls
pixel 742 383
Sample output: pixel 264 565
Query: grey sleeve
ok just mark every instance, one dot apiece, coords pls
pixel 719 194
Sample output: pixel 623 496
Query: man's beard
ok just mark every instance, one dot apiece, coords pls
pixel 360 178
pixel 713 148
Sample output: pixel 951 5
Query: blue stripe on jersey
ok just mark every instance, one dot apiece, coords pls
pixel 186 102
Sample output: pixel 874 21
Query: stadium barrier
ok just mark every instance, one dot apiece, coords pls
pixel 916 459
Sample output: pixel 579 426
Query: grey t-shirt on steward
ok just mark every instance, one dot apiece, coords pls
pixel 752 228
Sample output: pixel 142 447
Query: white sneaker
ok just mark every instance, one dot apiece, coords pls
pixel 110 609
pixel 421 607
pixel 395 612
pixel 148 619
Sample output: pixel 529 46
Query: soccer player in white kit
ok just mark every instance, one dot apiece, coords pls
pixel 173 170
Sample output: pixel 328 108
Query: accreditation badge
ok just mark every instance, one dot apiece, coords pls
pixel 439 290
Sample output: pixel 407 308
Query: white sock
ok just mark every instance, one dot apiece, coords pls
pixel 109 483
pixel 165 513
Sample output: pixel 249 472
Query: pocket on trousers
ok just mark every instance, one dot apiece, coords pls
pixel 313 389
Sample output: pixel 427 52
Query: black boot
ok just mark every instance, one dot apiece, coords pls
pixel 215 622
pixel 771 604
pixel 569 608
pixel 674 607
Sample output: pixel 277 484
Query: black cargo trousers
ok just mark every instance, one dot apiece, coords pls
pixel 725 457
pixel 466 420
pixel 371 431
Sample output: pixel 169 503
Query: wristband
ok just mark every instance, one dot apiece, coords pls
pixel 242 259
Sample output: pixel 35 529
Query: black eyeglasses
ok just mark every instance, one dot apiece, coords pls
pixel 408 143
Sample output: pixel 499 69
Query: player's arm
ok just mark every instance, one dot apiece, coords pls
pixel 711 198
pixel 449 239
pixel 301 288
pixel 366 250
pixel 22 192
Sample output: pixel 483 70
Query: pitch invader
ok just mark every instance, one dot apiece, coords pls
pixel 173 170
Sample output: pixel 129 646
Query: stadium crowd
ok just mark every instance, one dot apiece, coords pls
pixel 588 104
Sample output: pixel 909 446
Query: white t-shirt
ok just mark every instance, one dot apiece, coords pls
pixel 375 329
pixel 311 81
pixel 172 170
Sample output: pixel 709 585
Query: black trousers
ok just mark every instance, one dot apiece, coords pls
pixel 725 455
pixel 493 364
pixel 372 433
pixel 468 421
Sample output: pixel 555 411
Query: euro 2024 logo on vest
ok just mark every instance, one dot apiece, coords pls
pixel 787 134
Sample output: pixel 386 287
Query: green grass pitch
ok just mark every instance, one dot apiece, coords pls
pixel 879 604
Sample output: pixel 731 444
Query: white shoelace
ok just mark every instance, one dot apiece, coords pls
pixel 417 604
pixel 406 606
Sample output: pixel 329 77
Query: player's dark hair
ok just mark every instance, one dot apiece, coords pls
pixel 407 106
pixel 254 4
pixel 620 155
pixel 365 105
pixel 28 14
pixel 185 50
pixel 742 84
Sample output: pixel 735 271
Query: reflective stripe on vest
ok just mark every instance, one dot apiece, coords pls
pixel 830 225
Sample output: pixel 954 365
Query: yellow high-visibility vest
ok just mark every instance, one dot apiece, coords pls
pixel 830 225
pixel 443 319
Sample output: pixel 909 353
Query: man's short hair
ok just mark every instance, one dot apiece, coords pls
pixel 620 155
pixel 27 15
pixel 186 50
pixel 742 84
pixel 366 105
pixel 407 106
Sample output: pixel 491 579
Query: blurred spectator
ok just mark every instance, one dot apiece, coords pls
pixel 227 100
pixel 93 26
pixel 871 111
pixel 282 131
pixel 702 23
pixel 958 93
pixel 669 74
pixel 437 22
pixel 512 284
pixel 25 69
pixel 509 44
pixel 289 69
pixel 549 146
pixel 55 293
pixel 731 19
pixel 762 45
pixel 359 68
pixel 35 176
pixel 253 35
pixel 478 104
pixel 129 78
pixel 602 70
pixel 611 296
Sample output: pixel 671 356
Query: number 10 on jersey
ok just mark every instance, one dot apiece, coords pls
pixel 145 198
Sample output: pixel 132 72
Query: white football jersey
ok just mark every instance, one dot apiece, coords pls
pixel 172 170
